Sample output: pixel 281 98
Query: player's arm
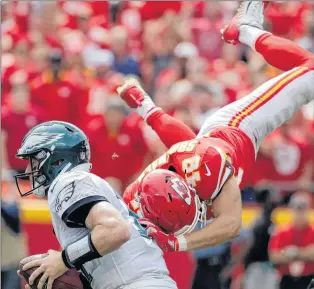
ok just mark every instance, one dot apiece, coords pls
pixel 169 129
pixel 227 225
pixel 79 204
pixel 227 209
pixel 109 231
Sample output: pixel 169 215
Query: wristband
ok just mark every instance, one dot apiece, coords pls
pixel 182 244
pixel 80 252
pixel 150 112
pixel 146 105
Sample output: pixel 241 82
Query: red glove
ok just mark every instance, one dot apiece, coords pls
pixel 166 242
pixel 134 95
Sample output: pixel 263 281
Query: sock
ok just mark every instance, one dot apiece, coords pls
pixel 249 35
pixel 283 53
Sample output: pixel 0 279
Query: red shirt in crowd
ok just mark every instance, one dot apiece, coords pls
pixel 56 97
pixel 16 125
pixel 12 72
pixel 290 154
pixel 155 9
pixel 291 236
pixel 207 37
pixel 279 14
pixel 119 156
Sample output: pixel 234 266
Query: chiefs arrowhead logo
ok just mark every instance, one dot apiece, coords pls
pixel 182 190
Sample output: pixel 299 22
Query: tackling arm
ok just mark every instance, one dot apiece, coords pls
pixel 227 208
pixel 169 129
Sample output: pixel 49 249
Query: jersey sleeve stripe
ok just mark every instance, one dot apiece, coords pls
pixel 267 96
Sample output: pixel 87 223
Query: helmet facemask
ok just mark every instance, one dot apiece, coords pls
pixel 34 173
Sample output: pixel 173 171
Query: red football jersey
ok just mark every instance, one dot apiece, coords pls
pixel 206 163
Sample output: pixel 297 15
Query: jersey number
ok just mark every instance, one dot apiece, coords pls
pixel 190 167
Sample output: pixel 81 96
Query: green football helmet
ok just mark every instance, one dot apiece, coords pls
pixel 51 148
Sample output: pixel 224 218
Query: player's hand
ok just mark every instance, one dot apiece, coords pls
pixel 166 242
pixel 134 95
pixel 52 267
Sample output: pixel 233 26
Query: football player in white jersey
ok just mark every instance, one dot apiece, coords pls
pixel 100 237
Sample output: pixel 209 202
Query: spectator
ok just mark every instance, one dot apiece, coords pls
pixel 116 143
pixel 54 94
pixel 15 64
pixel 211 263
pixel 124 63
pixel 18 117
pixel 307 41
pixel 93 102
pixel 259 272
pixel 206 30
pixel 183 52
pixel 291 249
pixel 187 116
pixel 286 160
pixel 11 255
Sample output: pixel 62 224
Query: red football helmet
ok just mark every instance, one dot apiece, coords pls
pixel 167 200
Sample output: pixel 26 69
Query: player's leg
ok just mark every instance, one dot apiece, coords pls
pixel 277 100
pixel 282 53
pixel 247 28
pixel 267 107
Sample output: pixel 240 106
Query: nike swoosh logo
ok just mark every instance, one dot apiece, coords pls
pixel 208 172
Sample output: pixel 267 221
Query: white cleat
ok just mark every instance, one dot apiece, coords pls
pixel 249 13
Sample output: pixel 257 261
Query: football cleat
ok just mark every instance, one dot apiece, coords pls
pixel 249 13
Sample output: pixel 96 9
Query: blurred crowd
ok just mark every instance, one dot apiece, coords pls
pixel 64 60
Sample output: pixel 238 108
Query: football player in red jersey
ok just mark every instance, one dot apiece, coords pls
pixel 217 162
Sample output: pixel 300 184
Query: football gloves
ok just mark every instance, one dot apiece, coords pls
pixel 166 242
pixel 134 95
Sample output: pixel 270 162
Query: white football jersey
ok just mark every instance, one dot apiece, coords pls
pixel 136 258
